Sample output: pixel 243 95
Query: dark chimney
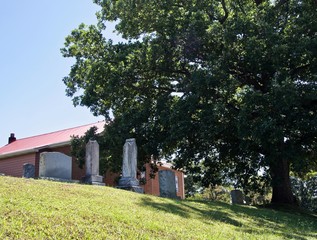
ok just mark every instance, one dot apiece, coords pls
pixel 12 138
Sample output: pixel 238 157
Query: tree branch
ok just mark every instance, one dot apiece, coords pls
pixel 223 19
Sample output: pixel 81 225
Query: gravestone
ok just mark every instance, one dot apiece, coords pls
pixel 92 164
pixel 28 170
pixel 237 197
pixel 128 181
pixel 167 184
pixel 55 165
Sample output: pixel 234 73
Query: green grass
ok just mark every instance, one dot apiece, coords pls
pixel 38 209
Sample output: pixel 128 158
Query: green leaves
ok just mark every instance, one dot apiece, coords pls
pixel 224 87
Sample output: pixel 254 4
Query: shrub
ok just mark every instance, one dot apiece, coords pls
pixel 306 192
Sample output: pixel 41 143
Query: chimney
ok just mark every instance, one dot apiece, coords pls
pixel 12 138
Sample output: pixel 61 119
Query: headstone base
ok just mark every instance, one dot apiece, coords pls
pixel 136 189
pixel 98 183
pixel 130 184
pixel 94 180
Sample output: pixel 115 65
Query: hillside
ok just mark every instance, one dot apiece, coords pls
pixel 38 209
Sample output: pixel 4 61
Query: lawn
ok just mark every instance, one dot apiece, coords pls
pixel 40 209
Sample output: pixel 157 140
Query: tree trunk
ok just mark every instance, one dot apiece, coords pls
pixel 281 184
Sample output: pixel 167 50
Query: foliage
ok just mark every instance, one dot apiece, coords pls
pixel 221 193
pixel 107 161
pixel 306 192
pixel 78 151
pixel 78 145
pixel 191 187
pixel 226 88
pixel 142 181
pixel 217 193
pixel 38 209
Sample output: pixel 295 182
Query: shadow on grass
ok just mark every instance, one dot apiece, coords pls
pixel 182 209
pixel 288 225
pixel 174 207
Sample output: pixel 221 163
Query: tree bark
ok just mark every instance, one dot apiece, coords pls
pixel 281 184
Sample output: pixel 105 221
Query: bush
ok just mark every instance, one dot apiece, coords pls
pixel 222 194
pixel 306 192
pixel 217 193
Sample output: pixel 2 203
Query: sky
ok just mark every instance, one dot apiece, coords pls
pixel 32 93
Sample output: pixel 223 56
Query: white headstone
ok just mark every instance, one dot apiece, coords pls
pixel 55 165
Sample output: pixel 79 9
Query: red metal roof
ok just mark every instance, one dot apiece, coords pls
pixel 48 139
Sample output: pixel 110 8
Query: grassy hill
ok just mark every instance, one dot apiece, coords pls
pixel 38 209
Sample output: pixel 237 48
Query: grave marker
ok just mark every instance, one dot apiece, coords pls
pixel 28 170
pixel 92 164
pixel 167 184
pixel 237 197
pixel 128 180
pixel 55 165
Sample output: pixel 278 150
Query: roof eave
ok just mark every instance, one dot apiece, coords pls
pixel 34 150
pixel 54 145
pixel 14 154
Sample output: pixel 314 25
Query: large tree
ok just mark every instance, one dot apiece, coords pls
pixel 227 88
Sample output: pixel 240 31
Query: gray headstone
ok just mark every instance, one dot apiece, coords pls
pixel 55 165
pixel 129 164
pixel 237 197
pixel 167 184
pixel 28 170
pixel 92 164
pixel 128 180
pixel 92 158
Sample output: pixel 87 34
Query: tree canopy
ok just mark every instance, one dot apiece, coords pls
pixel 227 89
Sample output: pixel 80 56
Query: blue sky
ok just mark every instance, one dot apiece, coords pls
pixel 32 94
